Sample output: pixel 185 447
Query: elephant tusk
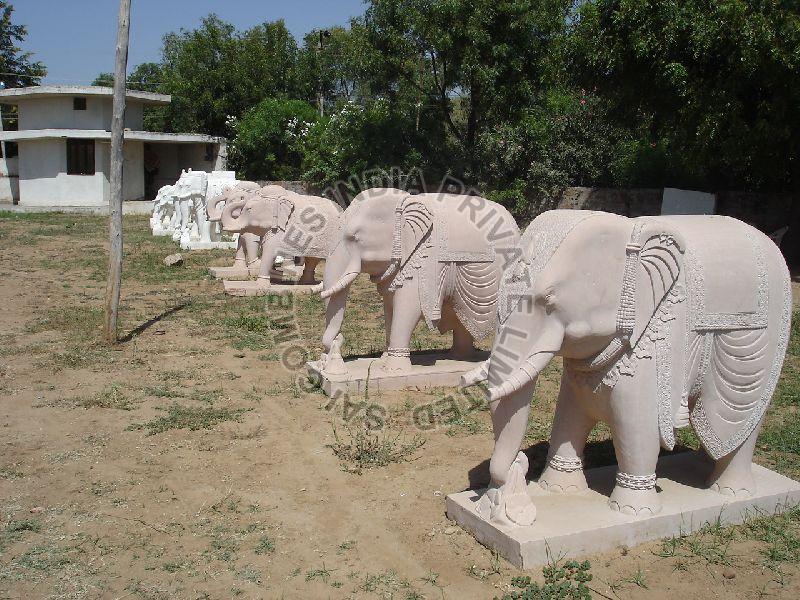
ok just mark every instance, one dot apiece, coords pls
pixel 340 285
pixel 519 378
pixel 390 271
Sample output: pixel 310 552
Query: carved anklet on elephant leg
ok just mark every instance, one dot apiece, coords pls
pixel 563 475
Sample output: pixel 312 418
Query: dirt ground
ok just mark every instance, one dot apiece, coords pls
pixel 187 462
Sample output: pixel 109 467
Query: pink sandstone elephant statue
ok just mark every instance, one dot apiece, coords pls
pixel 434 256
pixel 662 322
pixel 288 224
pixel 248 243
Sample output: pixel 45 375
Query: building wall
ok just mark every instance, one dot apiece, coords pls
pixel 132 171
pixel 173 158
pixel 9 179
pixel 767 212
pixel 58 113
pixel 43 180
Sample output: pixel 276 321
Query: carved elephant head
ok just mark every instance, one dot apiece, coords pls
pixel 215 205
pixel 260 211
pixel 602 281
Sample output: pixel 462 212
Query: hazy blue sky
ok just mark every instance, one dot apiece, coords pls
pixel 75 38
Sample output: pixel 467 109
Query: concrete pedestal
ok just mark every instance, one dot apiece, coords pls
pixel 209 246
pixel 583 524
pixel 258 288
pixel 235 273
pixel 428 369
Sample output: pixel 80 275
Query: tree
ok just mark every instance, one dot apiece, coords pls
pixel 17 67
pixel 214 73
pixel 711 85
pixel 474 61
pixel 104 80
pixel 336 63
pixel 263 145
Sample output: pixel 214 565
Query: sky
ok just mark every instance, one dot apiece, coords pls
pixel 75 39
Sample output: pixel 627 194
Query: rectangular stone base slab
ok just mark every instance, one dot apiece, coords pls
pixel 428 369
pixel 209 246
pixel 583 524
pixel 234 273
pixel 256 288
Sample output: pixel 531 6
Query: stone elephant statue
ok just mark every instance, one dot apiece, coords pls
pixel 662 322
pixel 288 224
pixel 248 243
pixel 432 256
pixel 163 211
pixel 190 196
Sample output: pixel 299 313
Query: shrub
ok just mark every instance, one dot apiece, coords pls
pixel 263 145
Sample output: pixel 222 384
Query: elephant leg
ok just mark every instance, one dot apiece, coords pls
pixel 733 473
pixel 463 346
pixel 307 278
pixel 405 316
pixel 571 426
pixel 269 252
pixel 510 422
pixel 240 260
pixel 634 426
pixel 388 308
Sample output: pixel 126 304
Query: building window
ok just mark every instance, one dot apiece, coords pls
pixel 12 150
pixel 79 103
pixel 80 157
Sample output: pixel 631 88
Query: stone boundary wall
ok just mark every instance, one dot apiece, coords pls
pixel 299 187
pixel 767 212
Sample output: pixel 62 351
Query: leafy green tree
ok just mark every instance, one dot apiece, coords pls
pixel 17 67
pixel 711 86
pixel 104 80
pixel 264 145
pixel 336 63
pixel 214 73
pixel 564 139
pixel 474 61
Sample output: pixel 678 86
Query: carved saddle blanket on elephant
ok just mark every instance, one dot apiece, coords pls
pixel 307 226
pixel 699 313
pixel 455 246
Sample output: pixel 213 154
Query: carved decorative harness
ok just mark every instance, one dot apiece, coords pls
pixel 626 313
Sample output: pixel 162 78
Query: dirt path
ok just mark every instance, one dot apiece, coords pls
pixel 255 504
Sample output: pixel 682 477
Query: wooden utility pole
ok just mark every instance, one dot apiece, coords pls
pixel 115 203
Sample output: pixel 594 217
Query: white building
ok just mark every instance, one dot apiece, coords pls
pixel 61 152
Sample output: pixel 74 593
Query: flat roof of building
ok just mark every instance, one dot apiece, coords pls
pixel 100 134
pixel 14 95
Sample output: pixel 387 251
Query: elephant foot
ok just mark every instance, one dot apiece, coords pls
pixel 564 476
pixel 510 505
pixel 393 363
pixel 635 502
pixel 740 486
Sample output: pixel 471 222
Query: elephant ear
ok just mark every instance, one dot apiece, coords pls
pixel 415 223
pixel 284 207
pixel 654 261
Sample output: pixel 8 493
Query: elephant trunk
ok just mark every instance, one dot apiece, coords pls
pixel 526 373
pixel 231 216
pixel 213 209
pixel 346 280
pixel 341 269
pixel 524 346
